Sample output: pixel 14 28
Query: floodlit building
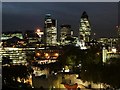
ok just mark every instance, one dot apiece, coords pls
pixel 17 55
pixel 85 28
pixel 8 35
pixel 50 31
pixel 48 55
pixel 109 42
pixel 108 54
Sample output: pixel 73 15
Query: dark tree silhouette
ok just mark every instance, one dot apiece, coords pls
pixel 12 73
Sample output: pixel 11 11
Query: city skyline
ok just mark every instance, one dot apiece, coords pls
pixel 29 16
pixel 60 45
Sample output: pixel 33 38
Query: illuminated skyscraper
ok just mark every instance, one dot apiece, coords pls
pixel 64 33
pixel 50 30
pixel 85 28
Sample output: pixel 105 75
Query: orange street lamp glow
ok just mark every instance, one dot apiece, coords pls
pixel 48 57
pixel 38 54
pixel 46 54
pixel 56 54
pixel 39 32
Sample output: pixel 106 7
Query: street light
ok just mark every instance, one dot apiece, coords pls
pixel 46 54
pixel 56 54
pixel 39 32
pixel 38 54
pixel 79 77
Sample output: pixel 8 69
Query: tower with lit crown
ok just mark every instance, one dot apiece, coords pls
pixel 85 28
pixel 50 30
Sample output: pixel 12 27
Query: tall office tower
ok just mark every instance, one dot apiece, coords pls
pixel 85 28
pixel 50 31
pixel 64 33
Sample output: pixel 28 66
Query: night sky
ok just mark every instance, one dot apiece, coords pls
pixel 21 16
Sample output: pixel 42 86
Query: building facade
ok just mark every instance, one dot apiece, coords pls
pixel 17 55
pixel 108 54
pixel 85 28
pixel 65 32
pixel 50 31
pixel 8 35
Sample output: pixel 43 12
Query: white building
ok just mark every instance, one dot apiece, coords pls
pixel 106 54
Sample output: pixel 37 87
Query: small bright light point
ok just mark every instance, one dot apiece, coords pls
pixel 38 30
pixel 56 54
pixel 116 26
pixel 94 34
pixel 38 54
pixel 46 54
pixel 114 50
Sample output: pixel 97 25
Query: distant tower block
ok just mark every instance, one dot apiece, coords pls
pixel 104 54
pixel 85 28
pixel 65 31
pixel 50 30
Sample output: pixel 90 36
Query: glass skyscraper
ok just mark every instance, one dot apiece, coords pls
pixel 85 28
pixel 50 31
